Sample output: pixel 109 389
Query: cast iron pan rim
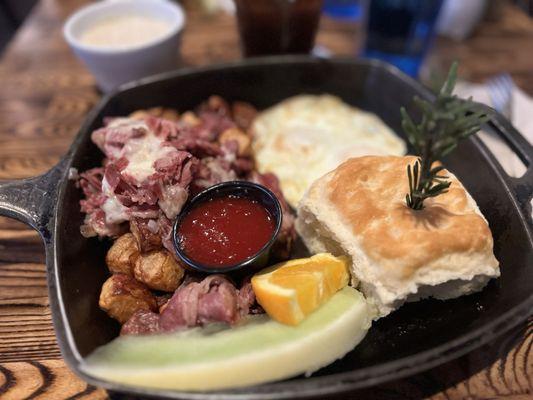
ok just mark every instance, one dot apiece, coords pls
pixel 270 60
pixel 503 177
pixel 308 387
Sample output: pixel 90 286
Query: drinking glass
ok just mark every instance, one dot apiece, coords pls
pixel 277 26
pixel 344 9
pixel 401 31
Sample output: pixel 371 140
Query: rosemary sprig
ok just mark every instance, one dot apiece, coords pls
pixel 444 123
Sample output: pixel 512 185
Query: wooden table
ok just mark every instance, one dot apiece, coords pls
pixel 45 93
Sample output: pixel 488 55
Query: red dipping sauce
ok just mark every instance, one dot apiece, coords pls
pixel 224 231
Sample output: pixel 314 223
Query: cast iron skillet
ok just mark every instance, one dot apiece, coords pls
pixel 416 337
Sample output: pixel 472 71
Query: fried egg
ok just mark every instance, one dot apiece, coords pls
pixel 306 136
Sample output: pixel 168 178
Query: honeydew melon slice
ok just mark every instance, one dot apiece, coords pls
pixel 260 350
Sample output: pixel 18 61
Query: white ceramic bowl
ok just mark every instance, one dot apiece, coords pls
pixel 112 66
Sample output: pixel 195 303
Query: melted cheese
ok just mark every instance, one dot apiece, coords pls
pixel 142 153
pixel 172 200
pixel 127 122
pixel 115 211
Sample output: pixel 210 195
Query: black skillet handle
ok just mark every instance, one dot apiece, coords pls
pixel 522 187
pixel 33 200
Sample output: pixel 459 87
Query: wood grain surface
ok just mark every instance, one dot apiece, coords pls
pixel 45 94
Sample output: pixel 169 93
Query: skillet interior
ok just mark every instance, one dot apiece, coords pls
pixel 430 327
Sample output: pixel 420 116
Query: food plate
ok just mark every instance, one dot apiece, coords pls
pixel 416 337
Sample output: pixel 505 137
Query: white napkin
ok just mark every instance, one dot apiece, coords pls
pixel 522 108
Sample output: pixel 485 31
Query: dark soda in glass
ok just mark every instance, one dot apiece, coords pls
pixel 277 26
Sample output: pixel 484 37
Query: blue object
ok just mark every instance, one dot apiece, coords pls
pixel 401 31
pixel 343 9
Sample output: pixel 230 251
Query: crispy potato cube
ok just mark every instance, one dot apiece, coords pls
pixel 218 104
pixel 242 139
pixel 122 296
pixel 158 270
pixel 243 114
pixel 170 114
pixel 155 111
pixel 139 114
pixel 159 112
pixel 122 255
pixel 149 112
pixel 190 118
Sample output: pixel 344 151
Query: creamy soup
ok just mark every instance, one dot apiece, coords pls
pixel 124 31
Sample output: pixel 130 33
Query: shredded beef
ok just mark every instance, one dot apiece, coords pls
pixel 212 171
pixel 214 123
pixel 246 299
pixel 198 147
pixel 90 182
pixel 114 136
pixel 143 322
pixel 165 230
pixel 214 299
pixel 114 196
pixel 95 224
pixel 147 237
pixel 163 128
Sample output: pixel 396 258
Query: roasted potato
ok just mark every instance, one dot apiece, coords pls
pixel 122 296
pixel 190 118
pixel 158 270
pixel 160 112
pixel 170 114
pixel 243 114
pixel 122 255
pixel 218 104
pixel 242 139
pixel 139 114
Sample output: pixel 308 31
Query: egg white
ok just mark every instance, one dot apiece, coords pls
pixel 306 136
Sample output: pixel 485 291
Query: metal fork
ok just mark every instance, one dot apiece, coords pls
pixel 500 90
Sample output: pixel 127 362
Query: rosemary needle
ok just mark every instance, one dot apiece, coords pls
pixel 443 124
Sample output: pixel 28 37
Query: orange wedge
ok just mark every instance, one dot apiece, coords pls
pixel 292 290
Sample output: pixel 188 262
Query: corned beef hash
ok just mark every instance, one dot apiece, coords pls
pixel 155 160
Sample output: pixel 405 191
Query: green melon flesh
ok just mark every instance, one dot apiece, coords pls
pixel 260 350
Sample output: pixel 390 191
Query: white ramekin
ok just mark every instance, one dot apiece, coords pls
pixel 114 66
